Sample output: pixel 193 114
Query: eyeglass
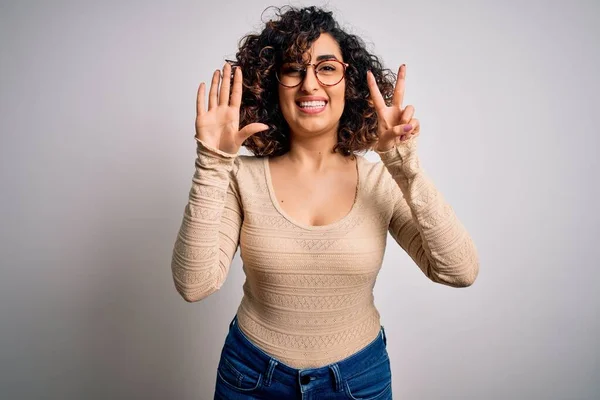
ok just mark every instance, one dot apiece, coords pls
pixel 328 73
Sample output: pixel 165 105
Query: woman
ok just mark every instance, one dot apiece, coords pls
pixel 311 216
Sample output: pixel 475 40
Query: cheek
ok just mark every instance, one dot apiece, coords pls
pixel 286 101
pixel 339 97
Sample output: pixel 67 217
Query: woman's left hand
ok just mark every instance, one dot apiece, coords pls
pixel 395 124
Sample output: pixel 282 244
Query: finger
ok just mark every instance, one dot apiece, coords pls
pixel 398 97
pixel 200 103
pixel 378 101
pixel 416 126
pixel 407 114
pixel 407 131
pixel 402 129
pixel 236 92
pixel 225 85
pixel 214 87
pixel 251 129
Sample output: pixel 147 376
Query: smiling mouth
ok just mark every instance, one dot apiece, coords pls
pixel 311 107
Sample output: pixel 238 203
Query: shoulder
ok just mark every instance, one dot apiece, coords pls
pixel 248 172
pixel 247 162
pixel 375 185
pixel 374 174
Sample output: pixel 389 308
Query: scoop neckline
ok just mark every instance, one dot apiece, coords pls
pixel 281 211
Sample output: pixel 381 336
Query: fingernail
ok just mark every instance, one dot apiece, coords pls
pixel 407 128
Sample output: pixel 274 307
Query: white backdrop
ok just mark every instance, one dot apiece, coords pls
pixel 97 106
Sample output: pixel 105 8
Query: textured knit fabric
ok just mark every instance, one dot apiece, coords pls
pixel 308 295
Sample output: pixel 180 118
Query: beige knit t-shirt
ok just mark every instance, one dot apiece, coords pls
pixel 308 295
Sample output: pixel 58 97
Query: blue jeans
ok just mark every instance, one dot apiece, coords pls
pixel 245 372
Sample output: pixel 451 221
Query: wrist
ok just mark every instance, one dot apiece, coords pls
pixel 215 152
pixel 398 151
pixel 382 147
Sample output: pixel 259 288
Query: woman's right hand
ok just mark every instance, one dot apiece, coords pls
pixel 218 126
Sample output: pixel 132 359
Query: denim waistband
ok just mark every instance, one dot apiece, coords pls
pixel 275 369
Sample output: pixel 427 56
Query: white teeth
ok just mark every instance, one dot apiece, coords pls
pixel 312 104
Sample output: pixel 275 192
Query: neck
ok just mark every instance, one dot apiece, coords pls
pixel 314 153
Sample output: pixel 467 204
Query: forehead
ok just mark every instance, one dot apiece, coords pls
pixel 325 44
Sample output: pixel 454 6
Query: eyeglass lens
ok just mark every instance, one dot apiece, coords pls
pixel 328 72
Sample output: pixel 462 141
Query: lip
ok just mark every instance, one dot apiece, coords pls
pixel 311 98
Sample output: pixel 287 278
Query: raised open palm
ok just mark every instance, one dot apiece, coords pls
pixel 395 124
pixel 218 126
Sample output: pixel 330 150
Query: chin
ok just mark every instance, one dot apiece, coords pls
pixel 314 125
pixel 313 128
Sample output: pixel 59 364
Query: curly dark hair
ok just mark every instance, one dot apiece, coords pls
pixel 288 38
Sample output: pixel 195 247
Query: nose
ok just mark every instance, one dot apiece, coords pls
pixel 310 82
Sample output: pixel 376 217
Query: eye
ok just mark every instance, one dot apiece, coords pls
pixel 292 69
pixel 327 68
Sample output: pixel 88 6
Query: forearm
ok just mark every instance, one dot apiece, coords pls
pixel 426 225
pixel 207 238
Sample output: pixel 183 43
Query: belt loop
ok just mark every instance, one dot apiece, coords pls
pixel 269 375
pixel 338 377
pixel 232 321
pixel 383 336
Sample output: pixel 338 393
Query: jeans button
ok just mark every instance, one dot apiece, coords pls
pixel 305 380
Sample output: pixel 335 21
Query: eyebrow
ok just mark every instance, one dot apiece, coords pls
pixel 326 57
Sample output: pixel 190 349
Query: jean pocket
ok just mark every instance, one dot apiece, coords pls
pixel 373 383
pixel 234 373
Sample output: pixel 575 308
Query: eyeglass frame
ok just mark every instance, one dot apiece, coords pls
pixel 305 72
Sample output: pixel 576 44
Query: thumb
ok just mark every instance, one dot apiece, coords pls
pixel 251 129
